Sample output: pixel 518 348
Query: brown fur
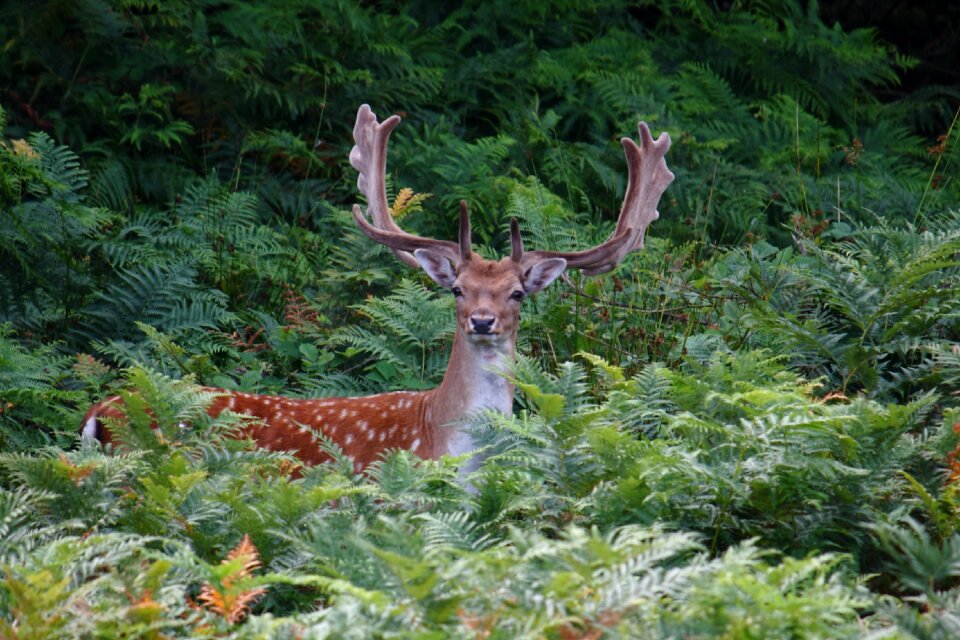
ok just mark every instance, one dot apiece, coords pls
pixel 363 427
pixel 366 427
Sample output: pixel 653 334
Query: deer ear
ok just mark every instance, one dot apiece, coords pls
pixel 436 266
pixel 543 273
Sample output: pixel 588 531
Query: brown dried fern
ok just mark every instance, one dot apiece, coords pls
pixel 88 367
pixel 298 312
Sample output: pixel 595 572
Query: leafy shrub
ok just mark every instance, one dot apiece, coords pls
pixel 765 443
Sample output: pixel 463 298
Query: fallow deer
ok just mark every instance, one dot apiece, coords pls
pixel 488 295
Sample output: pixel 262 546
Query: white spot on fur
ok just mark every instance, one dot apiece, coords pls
pixel 349 439
pixel 383 436
pixel 415 445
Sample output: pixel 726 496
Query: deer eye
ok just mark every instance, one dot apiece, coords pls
pixel 517 295
pixel 457 292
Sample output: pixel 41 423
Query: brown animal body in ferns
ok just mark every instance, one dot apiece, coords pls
pixel 489 295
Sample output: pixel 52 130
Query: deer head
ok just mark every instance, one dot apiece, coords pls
pixel 489 293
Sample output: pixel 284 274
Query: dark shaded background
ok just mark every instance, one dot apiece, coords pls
pixel 929 31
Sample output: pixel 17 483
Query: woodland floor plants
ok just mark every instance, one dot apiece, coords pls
pixel 749 430
pixel 874 312
pixel 737 458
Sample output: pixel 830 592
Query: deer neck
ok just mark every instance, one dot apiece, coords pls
pixel 474 381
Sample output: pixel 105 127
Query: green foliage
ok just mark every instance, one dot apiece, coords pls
pixel 886 299
pixel 43 237
pixel 738 449
pixel 749 430
pixel 409 338
pixel 39 394
pixel 552 540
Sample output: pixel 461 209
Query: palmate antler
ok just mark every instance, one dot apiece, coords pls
pixel 369 157
pixel 648 179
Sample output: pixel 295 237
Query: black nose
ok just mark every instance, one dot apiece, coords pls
pixel 482 325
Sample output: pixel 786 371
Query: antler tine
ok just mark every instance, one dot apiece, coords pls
pixel 648 178
pixel 466 240
pixel 369 157
pixel 516 241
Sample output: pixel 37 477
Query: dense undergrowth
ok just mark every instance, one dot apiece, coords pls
pixel 749 430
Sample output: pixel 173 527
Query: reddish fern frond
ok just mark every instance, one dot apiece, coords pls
pixel 88 366
pixel 248 342
pixel 76 473
pixel 298 313
pixel 232 602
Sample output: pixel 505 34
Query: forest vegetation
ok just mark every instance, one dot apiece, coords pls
pixel 751 429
